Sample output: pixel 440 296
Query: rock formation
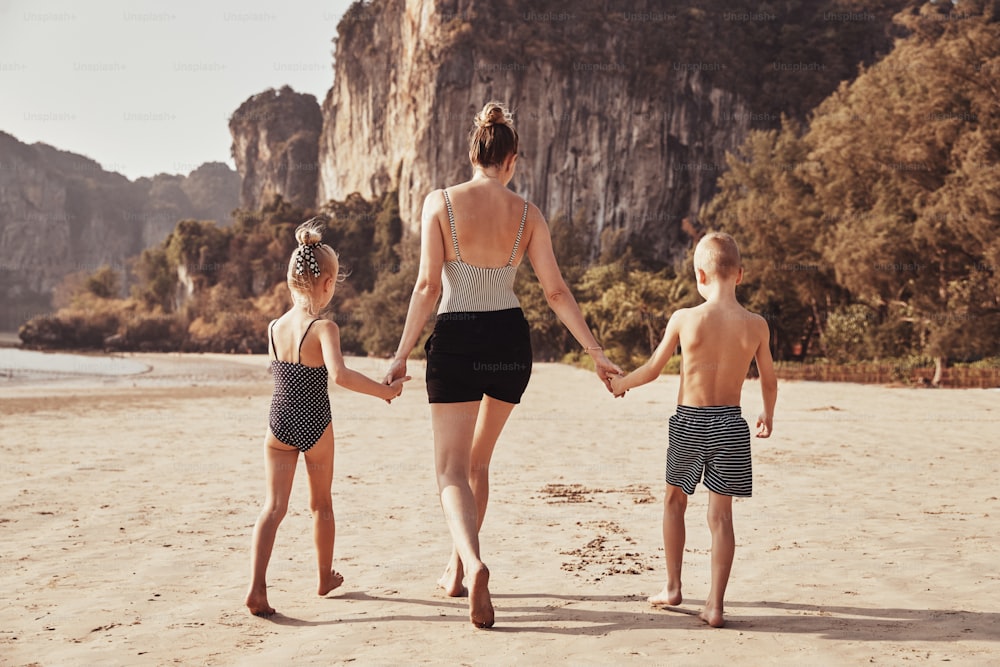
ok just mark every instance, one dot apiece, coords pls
pixel 624 117
pixel 61 213
pixel 275 145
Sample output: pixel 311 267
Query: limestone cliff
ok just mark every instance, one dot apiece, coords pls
pixel 61 213
pixel 624 117
pixel 275 144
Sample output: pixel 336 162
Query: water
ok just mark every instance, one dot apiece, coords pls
pixel 28 364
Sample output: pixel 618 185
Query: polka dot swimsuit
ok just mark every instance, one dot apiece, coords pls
pixel 300 406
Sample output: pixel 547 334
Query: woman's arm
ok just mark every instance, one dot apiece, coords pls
pixel 427 289
pixel 559 297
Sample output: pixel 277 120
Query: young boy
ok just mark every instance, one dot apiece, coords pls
pixel 708 434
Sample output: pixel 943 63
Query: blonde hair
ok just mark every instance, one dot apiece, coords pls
pixel 493 138
pixel 718 255
pixel 311 256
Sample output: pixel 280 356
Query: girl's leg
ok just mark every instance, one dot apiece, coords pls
pixel 454 428
pixel 319 465
pixel 490 421
pixel 279 468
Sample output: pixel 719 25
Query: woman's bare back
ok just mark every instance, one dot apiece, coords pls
pixel 487 217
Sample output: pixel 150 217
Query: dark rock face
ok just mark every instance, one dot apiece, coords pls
pixel 275 146
pixel 61 213
pixel 406 89
pixel 625 117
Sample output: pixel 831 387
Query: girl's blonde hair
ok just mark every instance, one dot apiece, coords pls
pixel 311 262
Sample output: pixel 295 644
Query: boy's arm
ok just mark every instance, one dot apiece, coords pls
pixel 768 381
pixel 651 370
pixel 329 339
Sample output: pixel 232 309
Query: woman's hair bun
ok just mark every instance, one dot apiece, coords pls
pixel 310 231
pixel 493 113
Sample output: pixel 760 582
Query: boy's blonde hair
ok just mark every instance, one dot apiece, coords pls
pixel 311 262
pixel 718 255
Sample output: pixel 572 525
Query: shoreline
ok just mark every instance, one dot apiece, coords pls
pixel 75 364
pixel 9 339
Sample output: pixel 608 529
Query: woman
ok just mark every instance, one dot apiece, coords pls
pixel 473 237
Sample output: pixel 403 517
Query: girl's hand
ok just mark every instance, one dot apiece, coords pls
pixel 605 369
pixel 397 387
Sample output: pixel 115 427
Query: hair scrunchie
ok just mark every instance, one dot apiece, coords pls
pixel 305 257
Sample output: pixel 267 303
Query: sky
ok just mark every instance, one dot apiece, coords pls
pixel 147 86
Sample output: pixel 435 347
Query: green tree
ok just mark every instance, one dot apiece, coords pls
pixel 766 201
pixel 105 283
pixel 900 150
pixel 156 279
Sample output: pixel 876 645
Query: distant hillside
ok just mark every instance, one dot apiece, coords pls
pixel 62 213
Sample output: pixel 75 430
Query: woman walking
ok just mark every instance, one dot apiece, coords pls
pixel 473 237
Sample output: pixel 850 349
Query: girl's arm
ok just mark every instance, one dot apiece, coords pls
pixel 651 370
pixel 558 296
pixel 427 289
pixel 329 340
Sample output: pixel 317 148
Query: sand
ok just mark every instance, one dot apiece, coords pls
pixel 128 503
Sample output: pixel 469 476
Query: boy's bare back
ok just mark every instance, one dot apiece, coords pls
pixel 718 341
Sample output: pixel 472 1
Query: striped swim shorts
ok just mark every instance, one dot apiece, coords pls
pixel 713 442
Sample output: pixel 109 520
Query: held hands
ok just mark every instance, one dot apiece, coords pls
pixel 395 377
pixel 616 383
pixel 763 425
pixel 605 369
pixel 397 386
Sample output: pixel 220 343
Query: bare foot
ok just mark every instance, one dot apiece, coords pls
pixel 451 580
pixel 480 605
pixel 332 580
pixel 257 604
pixel 712 616
pixel 667 597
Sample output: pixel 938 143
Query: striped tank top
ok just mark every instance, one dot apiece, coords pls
pixel 475 289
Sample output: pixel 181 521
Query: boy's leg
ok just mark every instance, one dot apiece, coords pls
pixel 674 505
pixel 319 465
pixel 454 427
pixel 279 467
pixel 492 417
pixel 720 522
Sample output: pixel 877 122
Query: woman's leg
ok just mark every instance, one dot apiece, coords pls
pixel 319 466
pixel 454 429
pixel 491 418
pixel 279 467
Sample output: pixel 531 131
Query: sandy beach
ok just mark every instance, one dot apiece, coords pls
pixel 128 502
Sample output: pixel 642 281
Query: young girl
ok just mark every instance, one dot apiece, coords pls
pixel 304 348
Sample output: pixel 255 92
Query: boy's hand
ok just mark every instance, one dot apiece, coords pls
pixel 616 385
pixel 763 425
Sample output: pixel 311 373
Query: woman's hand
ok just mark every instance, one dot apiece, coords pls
pixel 397 369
